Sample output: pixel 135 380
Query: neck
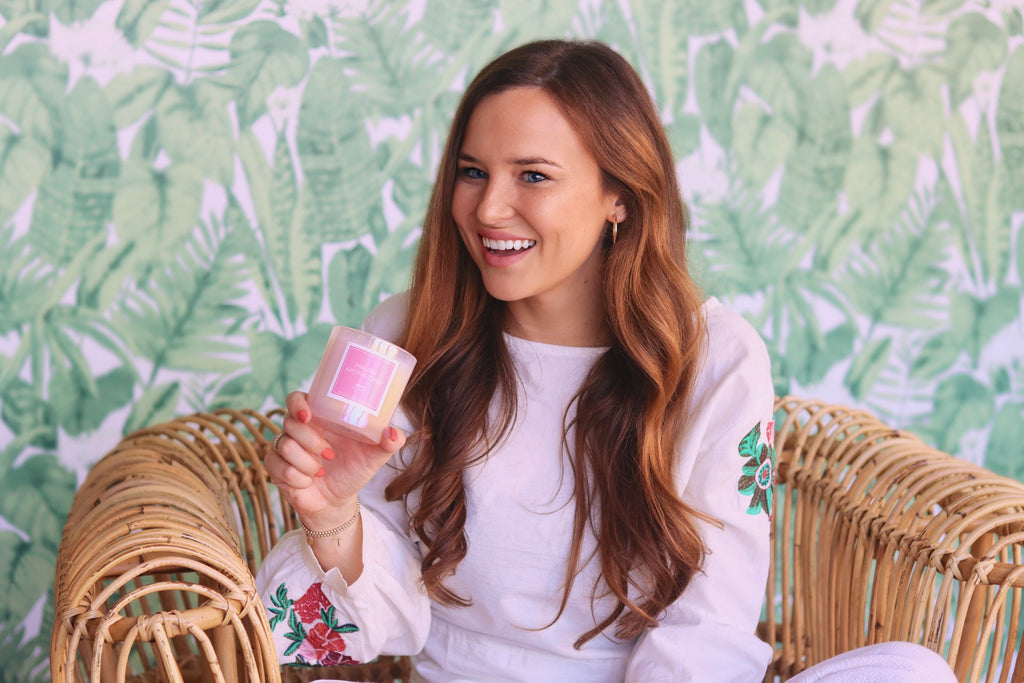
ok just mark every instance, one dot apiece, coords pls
pixel 571 324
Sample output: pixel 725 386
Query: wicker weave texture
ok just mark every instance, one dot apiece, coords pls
pixel 876 537
pixel 155 568
pixel 879 537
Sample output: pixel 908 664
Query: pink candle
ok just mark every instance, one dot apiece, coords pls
pixel 359 383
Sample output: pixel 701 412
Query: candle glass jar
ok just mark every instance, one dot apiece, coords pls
pixel 359 383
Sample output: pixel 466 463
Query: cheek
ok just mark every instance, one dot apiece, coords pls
pixel 589 248
pixel 462 203
pixel 590 231
pixel 467 236
pixel 468 241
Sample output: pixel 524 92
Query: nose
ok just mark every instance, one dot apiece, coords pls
pixel 495 203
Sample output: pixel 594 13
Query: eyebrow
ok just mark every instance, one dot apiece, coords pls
pixel 523 161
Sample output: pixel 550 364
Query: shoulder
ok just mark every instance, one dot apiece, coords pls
pixel 388 319
pixel 732 343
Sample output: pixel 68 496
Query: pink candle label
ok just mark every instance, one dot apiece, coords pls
pixel 362 378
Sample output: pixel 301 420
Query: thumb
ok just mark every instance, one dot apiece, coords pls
pixel 392 440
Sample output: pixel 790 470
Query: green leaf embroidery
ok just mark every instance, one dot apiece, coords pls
pixel 866 222
pixel 296 633
pixel 758 476
pixel 748 445
pixel 281 606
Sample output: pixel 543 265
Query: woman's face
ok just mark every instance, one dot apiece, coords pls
pixel 529 202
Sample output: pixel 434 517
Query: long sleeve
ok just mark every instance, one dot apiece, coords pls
pixel 317 618
pixel 726 471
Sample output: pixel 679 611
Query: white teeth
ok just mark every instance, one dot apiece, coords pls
pixel 507 245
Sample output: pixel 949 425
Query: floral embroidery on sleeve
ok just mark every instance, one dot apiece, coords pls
pixel 759 470
pixel 313 628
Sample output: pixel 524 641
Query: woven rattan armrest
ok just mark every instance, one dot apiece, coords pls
pixel 155 569
pixel 879 537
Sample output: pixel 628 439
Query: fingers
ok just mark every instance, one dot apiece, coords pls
pixel 308 437
pixel 298 425
pixel 305 453
pixel 392 440
pixel 294 459
pixel 288 463
pixel 297 404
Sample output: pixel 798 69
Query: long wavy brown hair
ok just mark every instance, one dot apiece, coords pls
pixel 630 411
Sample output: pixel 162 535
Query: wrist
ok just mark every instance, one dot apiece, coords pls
pixel 332 522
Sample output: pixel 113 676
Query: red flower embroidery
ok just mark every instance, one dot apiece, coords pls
pixel 309 606
pixel 313 628
pixel 324 646
pixel 336 658
pixel 324 639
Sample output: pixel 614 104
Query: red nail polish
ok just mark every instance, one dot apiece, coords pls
pixel 303 416
pixel 394 434
pixel 321 472
pixel 328 454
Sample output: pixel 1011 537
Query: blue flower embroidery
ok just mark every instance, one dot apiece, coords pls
pixel 759 470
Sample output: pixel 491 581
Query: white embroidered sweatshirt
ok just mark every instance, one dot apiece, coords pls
pixel 520 517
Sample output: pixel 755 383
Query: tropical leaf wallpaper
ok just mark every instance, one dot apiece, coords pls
pixel 192 193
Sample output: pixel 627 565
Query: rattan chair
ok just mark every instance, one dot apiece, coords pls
pixel 878 538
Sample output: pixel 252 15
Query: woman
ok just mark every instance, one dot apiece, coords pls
pixel 586 492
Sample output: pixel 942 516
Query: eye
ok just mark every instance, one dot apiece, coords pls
pixel 534 176
pixel 472 172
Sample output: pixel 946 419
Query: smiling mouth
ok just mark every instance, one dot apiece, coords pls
pixel 507 246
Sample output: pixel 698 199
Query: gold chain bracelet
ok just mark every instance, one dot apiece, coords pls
pixel 336 530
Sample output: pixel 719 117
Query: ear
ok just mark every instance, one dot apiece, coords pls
pixel 618 211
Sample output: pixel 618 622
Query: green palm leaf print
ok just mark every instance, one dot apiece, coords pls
pixel 192 194
pixel 76 197
pixel 185 315
pixel 335 151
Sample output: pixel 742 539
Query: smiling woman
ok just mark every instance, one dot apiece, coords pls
pixel 192 193
pixel 585 491
pixel 534 225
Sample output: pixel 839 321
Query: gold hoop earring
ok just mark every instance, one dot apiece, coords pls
pixel 615 231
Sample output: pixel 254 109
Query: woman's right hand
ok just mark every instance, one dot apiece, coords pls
pixel 320 473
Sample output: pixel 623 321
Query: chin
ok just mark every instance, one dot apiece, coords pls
pixel 501 296
pixel 504 294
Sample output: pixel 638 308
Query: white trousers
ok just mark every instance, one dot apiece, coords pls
pixel 882 663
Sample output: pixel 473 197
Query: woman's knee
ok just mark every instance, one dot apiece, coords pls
pixel 892 662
